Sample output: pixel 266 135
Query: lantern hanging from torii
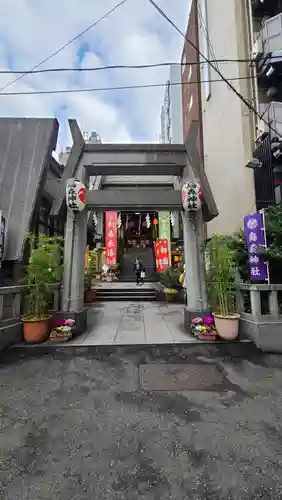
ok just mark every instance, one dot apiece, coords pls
pixel 75 195
pixel 192 196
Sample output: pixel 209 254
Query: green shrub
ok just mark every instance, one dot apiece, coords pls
pixel 220 275
pixel 44 269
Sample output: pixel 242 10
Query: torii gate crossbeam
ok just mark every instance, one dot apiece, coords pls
pixel 136 159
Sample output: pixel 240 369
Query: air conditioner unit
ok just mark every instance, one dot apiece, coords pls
pixel 262 129
pixel 257 50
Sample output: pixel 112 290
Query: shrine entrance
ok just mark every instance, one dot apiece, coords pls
pixel 152 161
pixel 136 234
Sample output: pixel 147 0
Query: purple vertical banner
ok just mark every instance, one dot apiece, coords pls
pixel 254 229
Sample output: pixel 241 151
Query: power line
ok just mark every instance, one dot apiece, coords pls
pixel 119 66
pixel 123 87
pixel 212 65
pixel 79 35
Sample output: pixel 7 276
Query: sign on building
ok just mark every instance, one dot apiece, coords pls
pixel 254 230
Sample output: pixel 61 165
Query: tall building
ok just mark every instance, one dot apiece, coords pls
pixel 92 138
pixel 171 122
pixel 190 78
pixel 171 111
pixel 226 136
pixel 228 124
pixel 265 32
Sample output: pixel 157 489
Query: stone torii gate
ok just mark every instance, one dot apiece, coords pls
pixel 98 160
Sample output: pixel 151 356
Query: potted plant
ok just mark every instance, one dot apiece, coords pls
pixel 44 269
pixel 170 280
pixel 89 292
pixel 62 332
pixel 221 273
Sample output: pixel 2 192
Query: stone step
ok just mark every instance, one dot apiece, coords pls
pixel 176 353
pixel 126 294
pixel 132 279
pixel 126 298
pixel 141 289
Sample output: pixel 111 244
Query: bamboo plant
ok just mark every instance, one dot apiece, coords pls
pixel 220 276
pixel 44 269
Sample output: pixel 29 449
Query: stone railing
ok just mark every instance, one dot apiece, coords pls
pixel 11 309
pixel 261 314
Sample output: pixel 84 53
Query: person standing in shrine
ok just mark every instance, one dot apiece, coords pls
pixel 139 270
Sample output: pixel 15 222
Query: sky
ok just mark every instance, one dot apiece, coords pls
pixel 30 30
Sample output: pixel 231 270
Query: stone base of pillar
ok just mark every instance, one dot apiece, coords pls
pixel 80 318
pixel 189 315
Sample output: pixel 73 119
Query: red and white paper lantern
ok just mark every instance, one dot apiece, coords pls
pixel 75 195
pixel 192 196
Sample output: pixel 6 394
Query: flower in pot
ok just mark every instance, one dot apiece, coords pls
pixel 220 284
pixel 44 269
pixel 62 332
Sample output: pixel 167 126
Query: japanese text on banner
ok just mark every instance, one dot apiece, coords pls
pixel 111 238
pixel 162 255
pixel 254 230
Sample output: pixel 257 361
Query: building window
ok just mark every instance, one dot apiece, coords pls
pixel 183 63
pixel 190 103
pixel 190 73
pixel 205 67
pixel 278 194
pixel 43 229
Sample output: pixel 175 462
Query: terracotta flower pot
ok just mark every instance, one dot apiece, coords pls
pixel 170 297
pixel 227 326
pixel 90 296
pixel 36 331
pixel 61 338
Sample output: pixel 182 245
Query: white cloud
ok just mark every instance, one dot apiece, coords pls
pixel 133 34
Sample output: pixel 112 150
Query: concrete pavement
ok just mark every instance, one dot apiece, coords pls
pixel 113 323
pixel 148 423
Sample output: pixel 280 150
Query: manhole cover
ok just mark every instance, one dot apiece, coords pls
pixel 166 377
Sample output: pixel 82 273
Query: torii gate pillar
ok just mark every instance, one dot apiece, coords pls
pixel 194 267
pixel 74 259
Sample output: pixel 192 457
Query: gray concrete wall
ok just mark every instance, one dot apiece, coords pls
pixel 26 146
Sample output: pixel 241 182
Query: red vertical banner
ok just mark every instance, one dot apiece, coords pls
pixel 111 238
pixel 161 255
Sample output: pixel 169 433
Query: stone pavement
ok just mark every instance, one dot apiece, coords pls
pixel 169 423
pixel 134 323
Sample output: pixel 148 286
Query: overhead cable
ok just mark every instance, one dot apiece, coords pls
pixel 122 87
pixel 212 65
pixel 60 49
pixel 119 66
